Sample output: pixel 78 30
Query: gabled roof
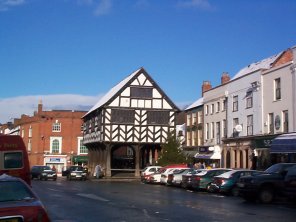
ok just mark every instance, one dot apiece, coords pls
pixel 120 86
pixel 197 103
pixel 263 64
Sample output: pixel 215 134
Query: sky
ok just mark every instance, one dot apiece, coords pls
pixel 69 53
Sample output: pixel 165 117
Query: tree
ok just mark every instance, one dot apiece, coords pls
pixel 172 152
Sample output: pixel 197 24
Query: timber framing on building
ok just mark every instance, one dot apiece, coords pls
pixel 125 129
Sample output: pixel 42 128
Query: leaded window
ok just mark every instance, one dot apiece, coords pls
pixel 158 117
pixel 141 92
pixel 122 116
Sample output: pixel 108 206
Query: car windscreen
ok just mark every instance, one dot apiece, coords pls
pixel 46 168
pixel 14 191
pixel 13 160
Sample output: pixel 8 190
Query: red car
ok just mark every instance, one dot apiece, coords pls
pixel 18 203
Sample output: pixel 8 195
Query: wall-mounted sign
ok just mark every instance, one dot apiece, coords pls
pixel 277 122
pixel 55 159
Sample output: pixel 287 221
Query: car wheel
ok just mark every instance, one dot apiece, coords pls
pixel 235 191
pixel 249 198
pixel 39 177
pixel 266 195
pixel 208 188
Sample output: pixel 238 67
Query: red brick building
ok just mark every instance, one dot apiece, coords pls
pixel 53 138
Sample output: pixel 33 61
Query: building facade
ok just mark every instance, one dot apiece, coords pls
pixel 258 100
pixel 52 138
pixel 125 129
pixel 215 112
pixel 279 104
pixel 193 129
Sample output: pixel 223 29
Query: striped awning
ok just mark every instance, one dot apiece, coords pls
pixel 285 143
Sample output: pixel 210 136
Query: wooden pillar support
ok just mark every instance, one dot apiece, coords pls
pixel 108 160
pixel 137 170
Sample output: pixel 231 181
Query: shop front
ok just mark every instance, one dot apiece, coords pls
pixel 80 160
pixel 283 148
pixel 210 156
pixel 57 162
pixel 261 146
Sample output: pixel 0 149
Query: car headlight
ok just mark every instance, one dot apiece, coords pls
pixel 43 174
pixel 73 174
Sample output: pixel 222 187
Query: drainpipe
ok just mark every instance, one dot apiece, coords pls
pixel 293 72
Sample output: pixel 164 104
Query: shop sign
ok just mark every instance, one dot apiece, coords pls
pixel 263 142
pixel 203 149
pixel 54 159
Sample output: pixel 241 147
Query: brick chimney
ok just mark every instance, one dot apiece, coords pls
pixel 206 85
pixel 40 106
pixel 225 78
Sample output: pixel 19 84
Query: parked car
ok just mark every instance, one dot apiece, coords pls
pixel 18 202
pixel 204 179
pixel 164 175
pixel 148 171
pixel 226 182
pixel 75 172
pixel 290 183
pixel 43 173
pixel 175 178
pixel 187 179
pixel 265 186
pixel 156 177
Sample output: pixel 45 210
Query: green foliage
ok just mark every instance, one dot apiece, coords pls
pixel 171 152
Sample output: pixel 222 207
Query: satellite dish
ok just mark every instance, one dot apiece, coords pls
pixel 238 128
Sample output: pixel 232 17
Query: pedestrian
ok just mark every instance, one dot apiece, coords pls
pixel 98 170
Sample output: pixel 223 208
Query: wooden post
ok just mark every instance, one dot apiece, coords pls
pixel 137 172
pixel 108 160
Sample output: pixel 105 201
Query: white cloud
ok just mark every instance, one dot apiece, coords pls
pixel 6 4
pixel 200 4
pixel 11 108
pixel 103 7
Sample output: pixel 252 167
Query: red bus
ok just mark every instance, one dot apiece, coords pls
pixel 14 157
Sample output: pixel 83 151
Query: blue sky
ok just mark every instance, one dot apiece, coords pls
pixel 70 52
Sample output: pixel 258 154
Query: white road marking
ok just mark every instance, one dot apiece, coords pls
pixel 146 213
pixel 92 196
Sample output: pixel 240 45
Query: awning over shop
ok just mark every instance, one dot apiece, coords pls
pixel 285 143
pixel 212 156
pixel 189 153
pixel 80 159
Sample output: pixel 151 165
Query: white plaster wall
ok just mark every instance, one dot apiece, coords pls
pixel 212 97
pixel 239 87
pixel 286 101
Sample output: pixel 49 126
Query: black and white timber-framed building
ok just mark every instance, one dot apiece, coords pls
pixel 125 129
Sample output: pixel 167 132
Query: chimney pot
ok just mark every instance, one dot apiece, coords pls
pixel 225 78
